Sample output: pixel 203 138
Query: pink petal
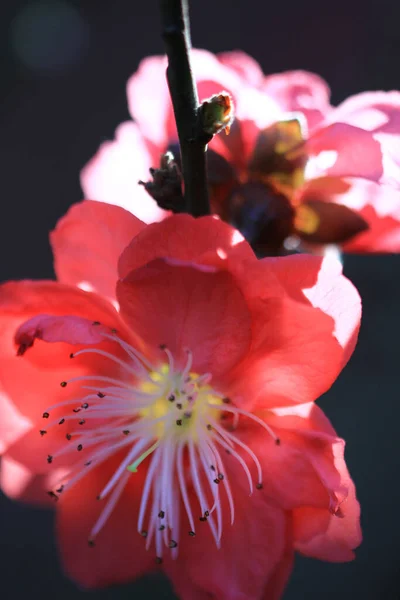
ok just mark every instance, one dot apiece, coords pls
pixel 378 204
pixel 305 469
pixel 332 538
pixel 18 482
pixel 184 238
pixel 341 150
pixel 300 91
pixel 149 100
pixel 279 578
pixel 258 533
pixel 87 243
pixel 112 175
pixel 320 282
pixel 187 306
pixel 32 382
pixel 244 65
pixel 372 111
pixel 318 311
pixel 119 553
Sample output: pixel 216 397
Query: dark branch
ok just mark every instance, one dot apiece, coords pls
pixel 182 87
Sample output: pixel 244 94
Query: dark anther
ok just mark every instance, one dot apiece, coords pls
pixel 179 421
pixel 161 514
pixel 91 543
pixel 171 398
pixel 45 415
pixel 212 467
pixel 192 533
pixel 190 398
pixel 53 495
pixel 209 427
pixel 220 476
pixel 88 463
pixel 179 405
pixel 71 355
pixel 82 422
pixel 187 414
pixel 61 421
pixel 163 346
pixel 228 451
pixel 216 480
pixel 42 432
pixel 98 497
pixel 202 518
pixel 172 544
pixel 161 528
pixel 158 560
pixel 76 410
pixel 68 436
pixel 126 432
pixel 63 384
pixel 49 459
pixel 226 400
pixel 100 394
pixel 277 442
pixel 96 323
pixel 143 533
pixel 259 486
pixel 206 514
pixel 79 447
pixel 113 330
pixel 60 489
pixel 85 405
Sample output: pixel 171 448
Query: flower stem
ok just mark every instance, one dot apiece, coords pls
pixel 182 87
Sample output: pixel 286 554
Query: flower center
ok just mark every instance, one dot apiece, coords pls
pixel 171 422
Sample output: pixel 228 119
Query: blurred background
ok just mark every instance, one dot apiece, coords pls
pixel 64 65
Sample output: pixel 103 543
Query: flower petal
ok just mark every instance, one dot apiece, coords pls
pixel 185 238
pixel 300 91
pixel 319 282
pixel 18 482
pixel 329 537
pixel 187 306
pixel 244 65
pixel 377 204
pixel 32 382
pixel 341 150
pixel 317 310
pixel 87 243
pixel 119 553
pixel 112 175
pixel 305 468
pixel 259 532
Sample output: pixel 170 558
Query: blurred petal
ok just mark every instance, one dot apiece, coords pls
pixel 112 175
pixel 300 91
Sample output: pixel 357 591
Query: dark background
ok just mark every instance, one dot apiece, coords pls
pixel 64 66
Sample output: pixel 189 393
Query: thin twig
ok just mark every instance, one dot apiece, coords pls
pixel 182 87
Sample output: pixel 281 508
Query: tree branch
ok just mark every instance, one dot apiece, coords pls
pixel 182 87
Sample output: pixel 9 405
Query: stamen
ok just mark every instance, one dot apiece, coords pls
pixel 245 413
pixel 133 467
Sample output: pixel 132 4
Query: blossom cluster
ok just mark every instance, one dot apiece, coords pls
pixel 160 394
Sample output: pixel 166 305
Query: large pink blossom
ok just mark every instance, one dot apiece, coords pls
pixel 185 421
pixel 288 149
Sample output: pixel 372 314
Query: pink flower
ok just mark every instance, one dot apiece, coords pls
pixel 292 165
pixel 184 422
